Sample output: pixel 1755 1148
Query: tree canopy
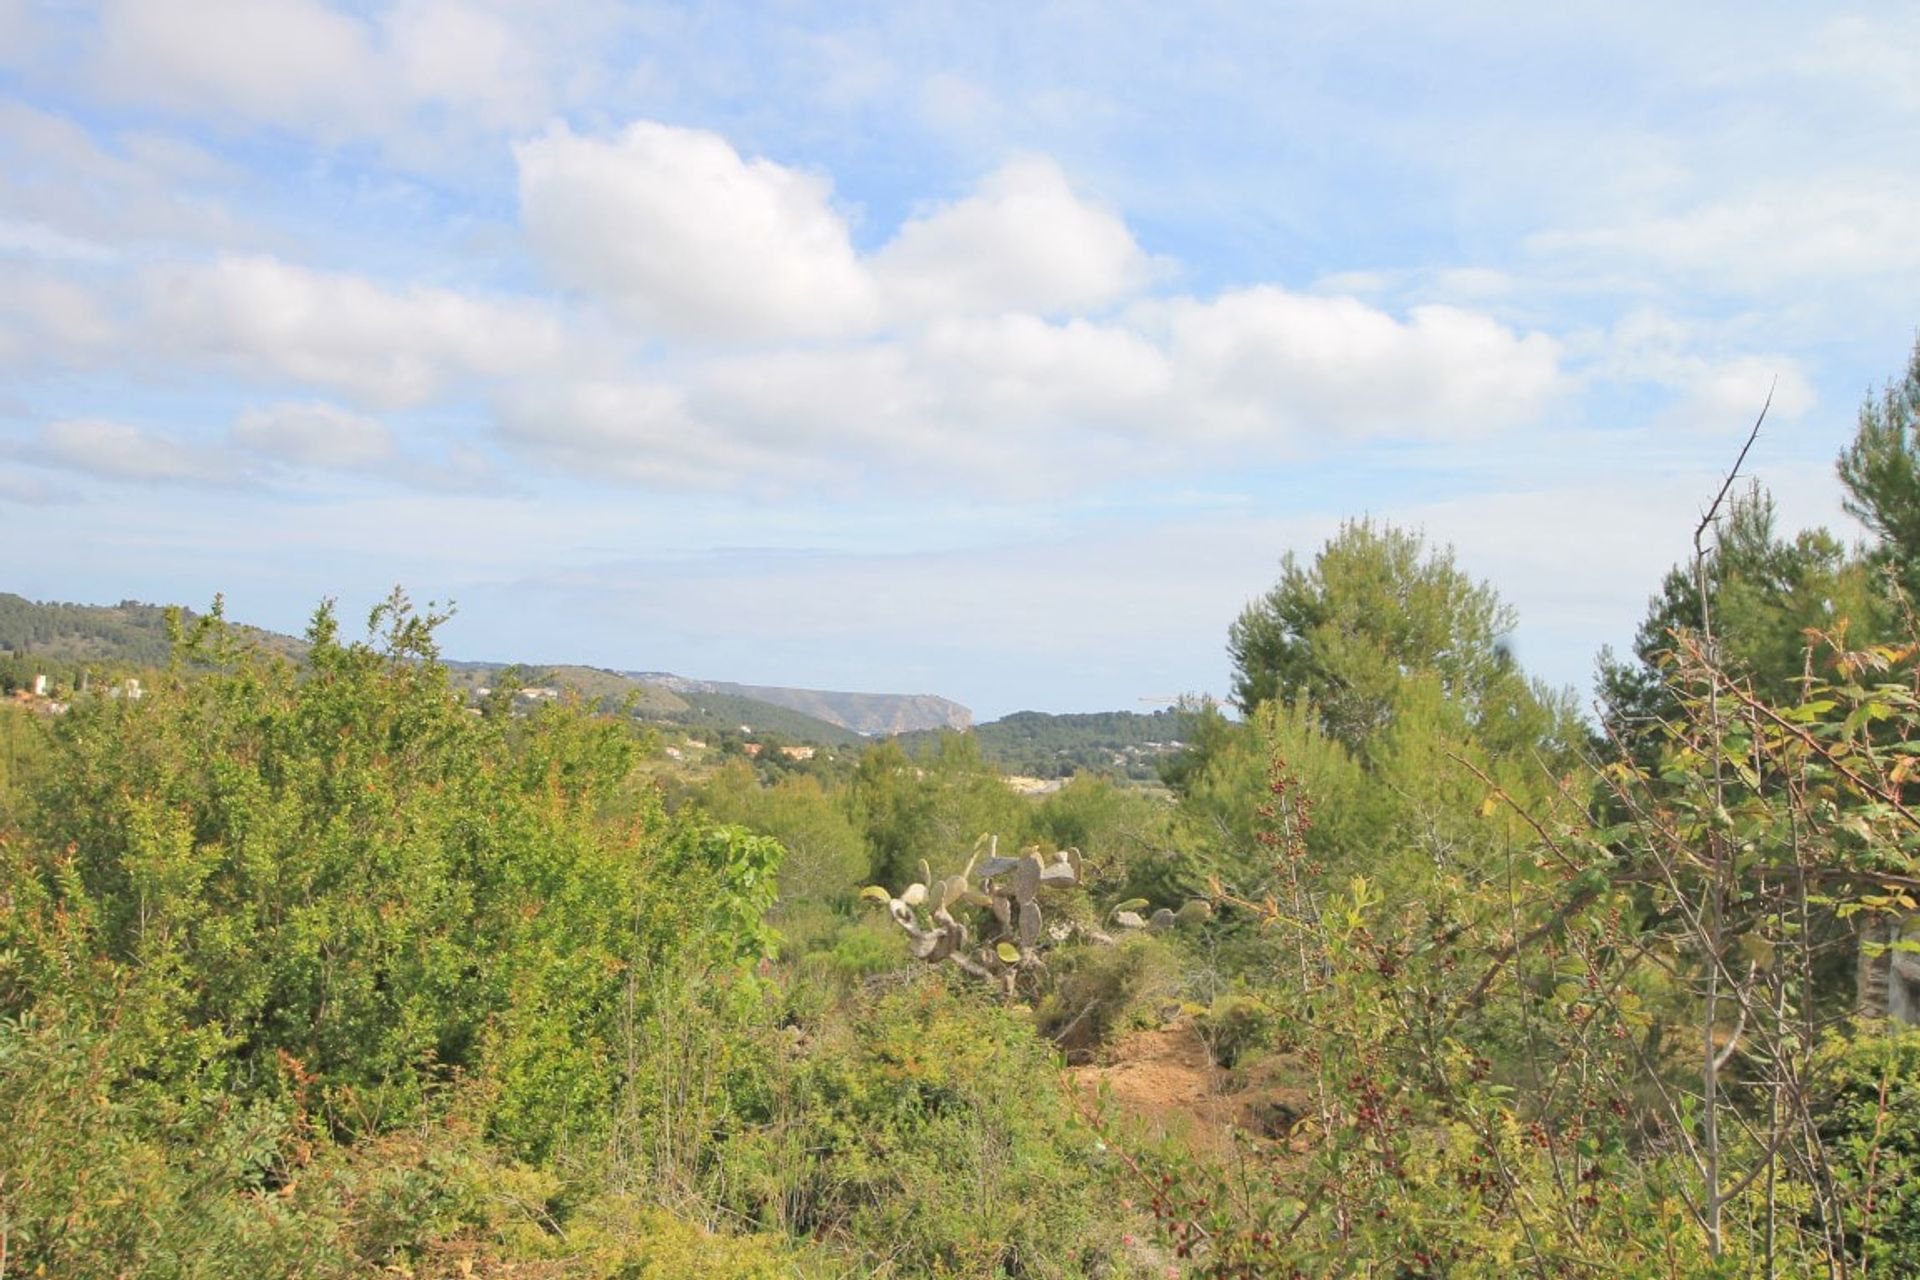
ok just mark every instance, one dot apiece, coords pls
pixel 1880 471
pixel 1376 614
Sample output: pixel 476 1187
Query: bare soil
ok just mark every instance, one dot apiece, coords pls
pixel 1164 1080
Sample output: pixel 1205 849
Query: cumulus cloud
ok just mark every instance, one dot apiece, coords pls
pixel 385 346
pixel 1265 358
pixel 308 66
pixel 1019 401
pixel 693 240
pixel 1024 242
pixel 690 238
pixel 1008 339
pixel 1001 332
pixel 315 435
pixel 117 451
pixel 1027 372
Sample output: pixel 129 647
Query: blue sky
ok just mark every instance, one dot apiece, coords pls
pixel 992 351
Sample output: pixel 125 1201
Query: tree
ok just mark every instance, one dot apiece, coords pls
pixel 1374 614
pixel 826 855
pixel 931 807
pixel 1880 471
pixel 1766 593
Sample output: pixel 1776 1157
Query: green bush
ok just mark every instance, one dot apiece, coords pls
pixel 1236 1025
pixel 1871 1126
pixel 1097 990
pixel 931 1129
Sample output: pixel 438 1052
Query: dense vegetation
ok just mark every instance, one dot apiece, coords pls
pixel 129 631
pixel 308 967
pixel 1034 744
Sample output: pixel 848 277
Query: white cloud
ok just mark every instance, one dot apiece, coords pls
pixel 116 451
pixel 461 57
pixel 295 63
pixel 1819 230
pixel 29 491
pixel 1017 402
pixel 47 320
pixel 1023 372
pixel 1877 57
pixel 21 33
pixel 682 233
pixel 1024 242
pixel 637 431
pixel 347 333
pixel 69 196
pixel 1714 390
pixel 338 74
pixel 36 240
pixel 1265 360
pixel 315 435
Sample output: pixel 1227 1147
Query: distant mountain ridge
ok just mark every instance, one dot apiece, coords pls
pixel 874 715
pixel 136 633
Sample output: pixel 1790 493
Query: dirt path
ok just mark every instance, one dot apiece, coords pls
pixel 1164 1080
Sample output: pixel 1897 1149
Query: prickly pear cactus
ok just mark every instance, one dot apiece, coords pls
pixel 1011 892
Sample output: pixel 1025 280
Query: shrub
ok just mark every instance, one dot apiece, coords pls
pixel 1871 1125
pixel 932 1130
pixel 1098 990
pixel 1235 1026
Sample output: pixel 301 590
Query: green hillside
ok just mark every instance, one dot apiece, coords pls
pixel 130 632
pixel 135 634
pixel 716 712
pixel 874 714
pixel 730 711
pixel 1128 743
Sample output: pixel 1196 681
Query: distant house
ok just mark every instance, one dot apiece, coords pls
pixel 752 749
pixel 39 686
pixel 797 753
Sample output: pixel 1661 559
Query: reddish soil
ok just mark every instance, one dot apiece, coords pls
pixel 1164 1080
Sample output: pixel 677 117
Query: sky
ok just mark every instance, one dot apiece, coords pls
pixel 988 350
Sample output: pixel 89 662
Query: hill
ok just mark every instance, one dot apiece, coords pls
pixel 868 714
pixel 1040 745
pixel 730 712
pixel 130 632
pixel 135 634
pixel 692 705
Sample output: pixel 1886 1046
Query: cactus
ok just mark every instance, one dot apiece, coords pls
pixel 1010 891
